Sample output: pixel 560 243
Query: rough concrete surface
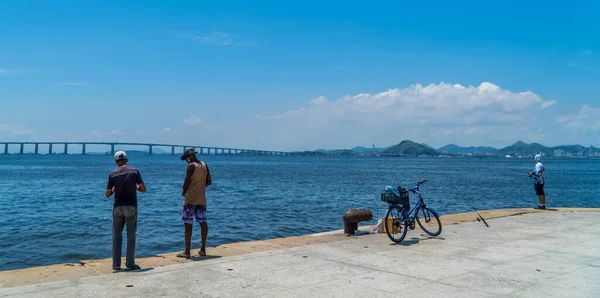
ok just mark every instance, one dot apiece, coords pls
pixel 530 254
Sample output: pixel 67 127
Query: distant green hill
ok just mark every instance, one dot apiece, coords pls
pixel 572 148
pixel 521 148
pixel 409 148
pixel 308 153
pixel 342 152
pixel 455 149
pixel 366 150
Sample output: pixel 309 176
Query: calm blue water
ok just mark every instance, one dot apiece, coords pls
pixel 53 209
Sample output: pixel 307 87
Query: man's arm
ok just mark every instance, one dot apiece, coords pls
pixel 188 178
pixel 543 172
pixel 208 178
pixel 141 187
pixel 110 188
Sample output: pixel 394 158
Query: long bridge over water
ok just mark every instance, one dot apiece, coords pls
pixel 64 148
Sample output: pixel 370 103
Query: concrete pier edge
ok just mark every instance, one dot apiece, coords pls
pixel 86 268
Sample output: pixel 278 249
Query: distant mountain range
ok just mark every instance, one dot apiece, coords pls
pixel 410 148
pixel 455 149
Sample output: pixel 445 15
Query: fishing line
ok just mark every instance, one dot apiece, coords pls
pixel 479 218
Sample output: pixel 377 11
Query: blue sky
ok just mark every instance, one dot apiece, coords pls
pixel 300 75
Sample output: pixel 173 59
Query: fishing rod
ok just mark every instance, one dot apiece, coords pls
pixel 479 218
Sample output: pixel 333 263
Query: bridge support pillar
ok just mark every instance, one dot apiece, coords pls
pixel 112 149
pixel 149 150
pixel 50 148
pixel 37 147
pixel 22 148
pixel 83 149
pixel 172 150
pixel 6 148
pixel 201 151
pixel 66 151
pixel 229 151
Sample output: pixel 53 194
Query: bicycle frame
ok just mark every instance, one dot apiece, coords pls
pixel 410 215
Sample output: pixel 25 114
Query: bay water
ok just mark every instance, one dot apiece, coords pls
pixel 53 209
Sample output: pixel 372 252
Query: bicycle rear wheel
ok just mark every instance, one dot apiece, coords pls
pixel 429 221
pixel 395 226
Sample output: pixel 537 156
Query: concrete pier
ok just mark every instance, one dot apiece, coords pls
pixel 50 148
pixel 524 253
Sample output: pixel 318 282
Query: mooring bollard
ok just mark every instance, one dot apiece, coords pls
pixel 352 217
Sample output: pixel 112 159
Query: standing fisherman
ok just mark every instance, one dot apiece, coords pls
pixel 538 174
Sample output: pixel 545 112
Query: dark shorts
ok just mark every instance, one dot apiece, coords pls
pixel 191 212
pixel 539 189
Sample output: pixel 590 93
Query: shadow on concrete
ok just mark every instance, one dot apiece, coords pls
pixel 134 271
pixel 203 258
pixel 415 240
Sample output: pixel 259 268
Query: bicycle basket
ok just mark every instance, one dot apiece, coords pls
pixel 390 197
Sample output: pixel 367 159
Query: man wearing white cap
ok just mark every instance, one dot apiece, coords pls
pixel 538 174
pixel 124 182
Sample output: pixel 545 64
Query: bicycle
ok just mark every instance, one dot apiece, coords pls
pixel 398 219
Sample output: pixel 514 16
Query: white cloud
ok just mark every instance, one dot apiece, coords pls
pixel 13 71
pixel 588 119
pixel 14 130
pixel 548 104
pixel 96 133
pixel 443 112
pixel 165 130
pixel 192 121
pixel 117 132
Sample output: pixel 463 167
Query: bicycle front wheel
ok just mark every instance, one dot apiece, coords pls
pixel 429 221
pixel 395 226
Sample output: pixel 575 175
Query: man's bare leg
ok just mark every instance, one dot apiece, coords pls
pixel 188 241
pixel 204 232
pixel 543 200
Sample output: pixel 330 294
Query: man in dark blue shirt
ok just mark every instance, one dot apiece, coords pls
pixel 124 182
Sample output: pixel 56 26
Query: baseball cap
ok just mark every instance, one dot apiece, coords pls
pixel 537 157
pixel 120 155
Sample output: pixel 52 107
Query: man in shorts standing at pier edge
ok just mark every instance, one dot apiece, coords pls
pixel 124 183
pixel 197 178
pixel 538 174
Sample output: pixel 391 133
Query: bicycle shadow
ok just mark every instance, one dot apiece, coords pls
pixel 416 240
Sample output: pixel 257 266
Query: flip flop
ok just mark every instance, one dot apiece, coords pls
pixel 135 267
pixel 183 255
pixel 202 254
